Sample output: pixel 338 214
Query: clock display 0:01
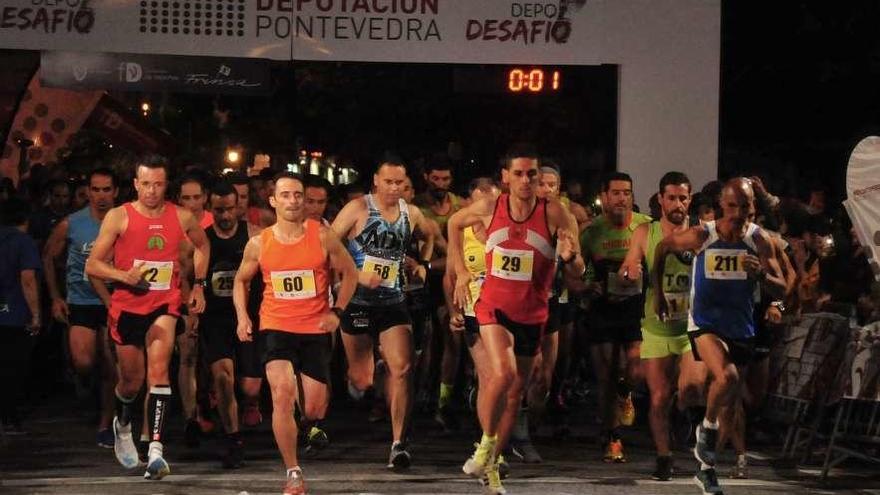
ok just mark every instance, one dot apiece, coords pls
pixel 533 80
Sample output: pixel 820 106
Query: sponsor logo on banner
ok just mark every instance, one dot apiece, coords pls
pixel 130 72
pixel 138 72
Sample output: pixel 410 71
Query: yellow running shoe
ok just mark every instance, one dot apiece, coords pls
pixel 626 411
pixel 492 481
pixel 614 452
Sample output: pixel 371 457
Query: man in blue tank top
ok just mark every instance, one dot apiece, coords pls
pixel 377 228
pixel 733 257
pixel 85 307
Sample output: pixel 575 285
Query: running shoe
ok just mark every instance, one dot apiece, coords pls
pixel 614 452
pixel 157 468
pixel 378 412
pixel 740 470
pixel 104 438
pixel 525 451
pixel 476 464
pixel 251 416
pixel 123 445
pixel 704 450
pixel 626 411
pixel 234 457
pixel 399 459
pixel 206 426
pixel 707 480
pixel 503 467
pixel 664 470
pixel 492 481
pixel 316 441
pixel 447 419
pixel 295 484
pixel 192 433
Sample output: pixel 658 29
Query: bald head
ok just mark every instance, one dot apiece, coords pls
pixel 737 197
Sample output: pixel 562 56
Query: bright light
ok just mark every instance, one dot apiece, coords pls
pixel 330 175
pixel 233 156
pixel 293 167
pixel 145 107
pixel 228 170
pixel 598 202
pixel 314 168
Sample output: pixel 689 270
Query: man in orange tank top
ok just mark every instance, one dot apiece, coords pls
pixel 513 305
pixel 295 257
pixel 143 239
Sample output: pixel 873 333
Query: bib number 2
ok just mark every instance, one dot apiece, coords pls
pixel 156 273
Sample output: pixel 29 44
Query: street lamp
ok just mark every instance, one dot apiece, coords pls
pixel 233 156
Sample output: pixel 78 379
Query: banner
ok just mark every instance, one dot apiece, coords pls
pixel 859 376
pixel 806 361
pixel 436 31
pixel 156 73
pixel 127 129
pixel 49 118
pixel 863 202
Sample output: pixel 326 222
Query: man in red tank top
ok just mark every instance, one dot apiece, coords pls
pixel 143 239
pixel 295 257
pixel 513 305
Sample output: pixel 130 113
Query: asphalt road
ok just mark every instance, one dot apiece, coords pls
pixel 58 456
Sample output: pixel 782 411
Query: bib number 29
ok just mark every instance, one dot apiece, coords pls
pixel 511 263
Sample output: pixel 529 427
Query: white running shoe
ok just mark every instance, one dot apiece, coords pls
pixel 123 445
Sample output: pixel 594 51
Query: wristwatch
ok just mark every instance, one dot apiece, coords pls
pixel 337 311
pixel 426 264
pixel 201 282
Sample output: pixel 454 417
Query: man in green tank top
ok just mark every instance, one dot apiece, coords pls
pixel 438 203
pixel 613 320
pixel 665 342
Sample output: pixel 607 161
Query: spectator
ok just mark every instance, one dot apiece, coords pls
pixel 19 306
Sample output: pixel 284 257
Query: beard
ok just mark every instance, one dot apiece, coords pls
pixel 437 194
pixel 676 217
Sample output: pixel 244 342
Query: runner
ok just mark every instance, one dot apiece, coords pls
pixel 249 368
pixel 295 257
pixel 613 321
pixel 512 308
pixel 464 319
pixel 733 256
pixel 227 237
pixel 143 238
pixel 666 350
pixel 438 203
pixel 378 227
pixel 85 308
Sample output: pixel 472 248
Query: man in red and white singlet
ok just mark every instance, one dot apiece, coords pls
pixel 143 238
pixel 295 257
pixel 524 236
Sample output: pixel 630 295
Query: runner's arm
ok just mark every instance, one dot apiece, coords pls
pixel 250 265
pixel 51 252
pixel 421 223
pixel 567 240
pixel 688 240
pixel 201 256
pixel 631 268
pixel 347 217
pixel 102 250
pixel 460 220
pixel 342 264
pixel 772 279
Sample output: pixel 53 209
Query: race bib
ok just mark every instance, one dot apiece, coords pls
pixel 619 286
pixel 156 273
pixel 221 283
pixel 293 284
pixel 386 269
pixel 677 304
pixel 512 264
pixel 725 264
